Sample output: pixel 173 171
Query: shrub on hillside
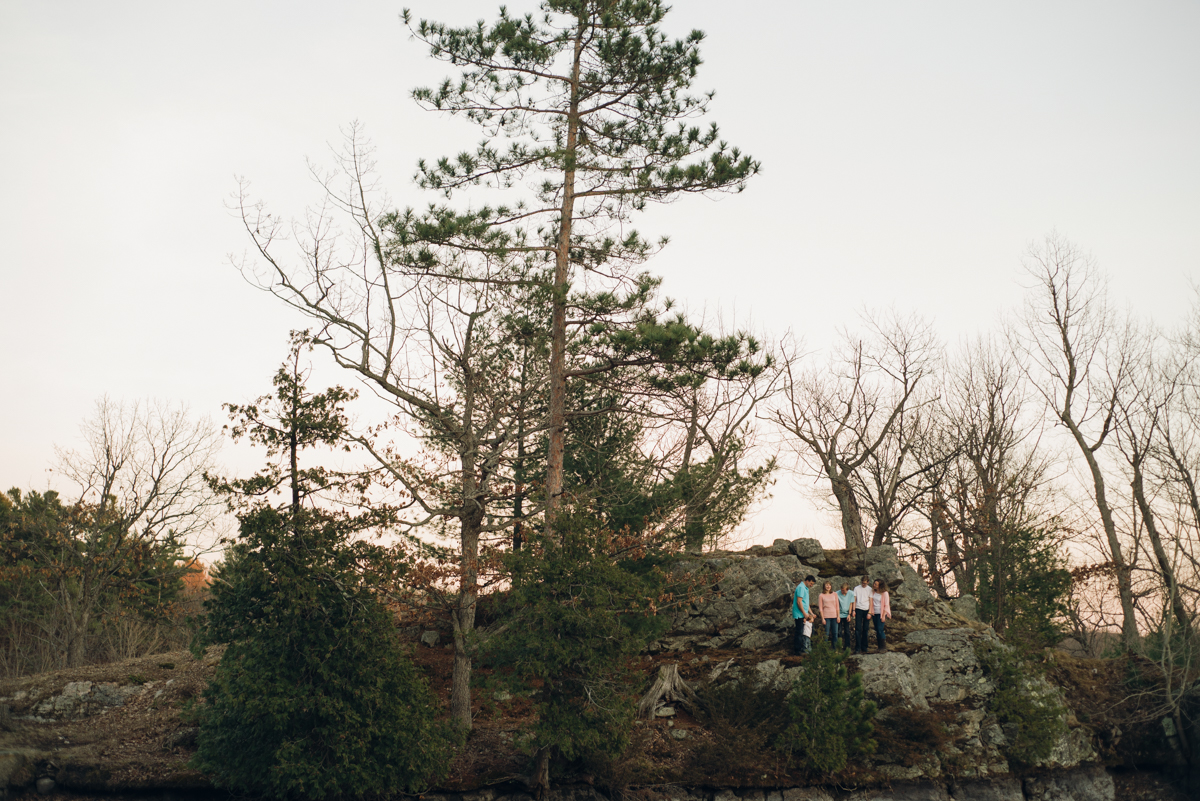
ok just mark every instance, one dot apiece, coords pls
pixel 314 696
pixel 829 717
pixel 1032 717
pixel 581 604
pixel 743 720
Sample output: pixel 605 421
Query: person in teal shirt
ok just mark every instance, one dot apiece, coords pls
pixel 801 614
pixel 845 604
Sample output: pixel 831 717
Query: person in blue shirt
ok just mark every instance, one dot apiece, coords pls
pixel 845 605
pixel 802 613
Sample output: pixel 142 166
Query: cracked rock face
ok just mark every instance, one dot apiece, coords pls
pixel 1089 784
pixel 946 668
pixel 891 675
pixel 935 672
pixel 945 674
pixel 1077 785
pixel 748 603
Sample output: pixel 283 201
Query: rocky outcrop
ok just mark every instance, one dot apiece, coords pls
pixel 743 601
pixel 739 603
pixel 79 699
pixel 943 674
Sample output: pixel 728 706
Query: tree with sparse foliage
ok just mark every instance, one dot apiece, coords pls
pixel 453 359
pixel 314 696
pixel 1077 354
pixel 118 546
pixel 855 413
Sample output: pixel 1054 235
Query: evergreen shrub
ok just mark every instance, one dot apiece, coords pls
pixel 1031 716
pixel 743 720
pixel 314 697
pixel 581 604
pixel 829 718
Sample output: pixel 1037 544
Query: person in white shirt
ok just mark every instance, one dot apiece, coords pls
pixel 862 613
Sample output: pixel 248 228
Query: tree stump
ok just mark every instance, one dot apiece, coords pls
pixel 669 686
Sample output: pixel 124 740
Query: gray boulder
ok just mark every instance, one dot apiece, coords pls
pixel 966 606
pixel 903 792
pixel 805 794
pixel 759 639
pixel 80 699
pixel 946 669
pixel 890 676
pixel 883 562
pixel 740 599
pixel 1007 788
pixel 1086 784
pixel 808 550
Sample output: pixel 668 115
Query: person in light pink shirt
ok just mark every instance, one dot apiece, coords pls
pixel 827 604
pixel 881 610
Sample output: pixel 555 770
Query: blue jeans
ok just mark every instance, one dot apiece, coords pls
pixel 880 634
pixel 845 628
pixel 860 625
pixel 831 630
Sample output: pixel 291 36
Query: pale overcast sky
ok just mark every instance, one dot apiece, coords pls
pixel 910 152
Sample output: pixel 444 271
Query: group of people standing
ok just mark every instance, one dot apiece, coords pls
pixel 865 602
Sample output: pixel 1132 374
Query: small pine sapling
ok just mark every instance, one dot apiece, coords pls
pixel 829 718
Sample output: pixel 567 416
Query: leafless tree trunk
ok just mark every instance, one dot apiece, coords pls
pixel 1078 360
pixel 997 478
pixel 716 484
pixel 1141 412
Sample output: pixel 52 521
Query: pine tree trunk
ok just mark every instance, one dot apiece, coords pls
pixel 558 321
pixel 460 682
pixel 468 593
pixel 540 781
pixel 75 622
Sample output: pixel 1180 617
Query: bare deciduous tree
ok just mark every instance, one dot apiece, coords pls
pixel 840 415
pixel 435 334
pixel 1143 430
pixel 997 481
pixel 716 486
pixel 141 494
pixel 1076 354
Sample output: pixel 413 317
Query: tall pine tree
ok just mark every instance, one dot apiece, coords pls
pixel 588 105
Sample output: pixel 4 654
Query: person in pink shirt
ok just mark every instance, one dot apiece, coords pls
pixel 827 604
pixel 881 610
